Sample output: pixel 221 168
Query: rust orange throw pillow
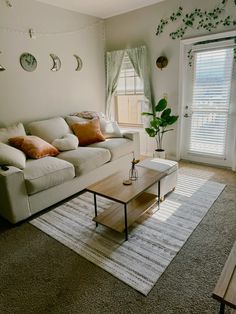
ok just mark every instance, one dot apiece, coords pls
pixel 33 146
pixel 88 132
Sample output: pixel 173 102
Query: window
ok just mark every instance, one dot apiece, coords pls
pixel 129 82
pixel 210 101
pixel 129 95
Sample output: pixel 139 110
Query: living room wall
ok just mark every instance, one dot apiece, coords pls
pixel 139 27
pixel 27 96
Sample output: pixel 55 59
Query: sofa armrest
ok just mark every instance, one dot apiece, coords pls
pixel 14 204
pixel 133 136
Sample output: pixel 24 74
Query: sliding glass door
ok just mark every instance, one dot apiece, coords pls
pixel 206 133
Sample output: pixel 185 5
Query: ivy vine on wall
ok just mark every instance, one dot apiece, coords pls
pixel 198 19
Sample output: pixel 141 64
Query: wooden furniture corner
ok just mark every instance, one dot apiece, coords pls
pixel 225 289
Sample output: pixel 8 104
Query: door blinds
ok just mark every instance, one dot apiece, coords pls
pixel 211 101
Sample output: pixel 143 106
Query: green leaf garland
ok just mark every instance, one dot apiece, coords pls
pixel 198 19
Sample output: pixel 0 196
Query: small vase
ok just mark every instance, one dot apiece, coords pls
pixel 159 153
pixel 133 174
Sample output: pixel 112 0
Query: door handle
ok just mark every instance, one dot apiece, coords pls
pixel 187 115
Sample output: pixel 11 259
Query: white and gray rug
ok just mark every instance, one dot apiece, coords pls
pixel 153 240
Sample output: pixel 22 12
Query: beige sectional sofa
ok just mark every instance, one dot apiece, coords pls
pixel 46 181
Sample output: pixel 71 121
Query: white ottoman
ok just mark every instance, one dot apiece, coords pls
pixel 169 182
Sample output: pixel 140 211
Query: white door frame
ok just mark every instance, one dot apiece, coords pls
pixel 182 83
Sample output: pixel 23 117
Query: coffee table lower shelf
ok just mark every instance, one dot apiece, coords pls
pixel 114 216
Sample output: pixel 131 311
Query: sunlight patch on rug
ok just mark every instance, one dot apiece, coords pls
pixel 153 240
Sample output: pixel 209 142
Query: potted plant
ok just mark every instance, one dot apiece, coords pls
pixel 159 123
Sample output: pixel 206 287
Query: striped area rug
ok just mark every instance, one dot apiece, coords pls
pixel 153 240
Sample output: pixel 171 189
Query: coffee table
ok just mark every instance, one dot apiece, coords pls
pixel 132 200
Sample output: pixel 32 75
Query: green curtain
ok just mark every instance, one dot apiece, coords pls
pixel 138 58
pixel 113 67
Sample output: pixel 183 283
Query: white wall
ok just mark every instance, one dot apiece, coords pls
pixel 139 27
pixel 40 94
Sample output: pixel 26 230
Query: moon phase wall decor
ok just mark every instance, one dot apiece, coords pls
pixel 79 63
pixel 1 67
pixel 28 62
pixel 56 62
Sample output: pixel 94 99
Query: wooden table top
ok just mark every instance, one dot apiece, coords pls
pixel 225 290
pixel 113 188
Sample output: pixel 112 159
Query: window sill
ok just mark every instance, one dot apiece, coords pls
pixel 130 125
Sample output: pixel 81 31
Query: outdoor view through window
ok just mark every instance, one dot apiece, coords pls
pixel 129 95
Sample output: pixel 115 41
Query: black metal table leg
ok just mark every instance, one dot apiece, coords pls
pixel 126 225
pixel 95 206
pixel 222 308
pixel 159 194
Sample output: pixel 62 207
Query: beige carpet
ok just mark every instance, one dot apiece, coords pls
pixel 153 241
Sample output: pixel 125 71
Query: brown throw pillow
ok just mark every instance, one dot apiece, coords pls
pixel 33 146
pixel 88 132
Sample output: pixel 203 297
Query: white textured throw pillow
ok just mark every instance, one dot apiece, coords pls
pixel 110 128
pixel 11 156
pixel 11 131
pixel 67 142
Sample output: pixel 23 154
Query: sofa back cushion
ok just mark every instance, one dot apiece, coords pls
pixel 11 131
pixel 50 129
pixel 33 146
pixel 88 132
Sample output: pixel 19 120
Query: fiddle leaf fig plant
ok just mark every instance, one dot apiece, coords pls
pixel 160 121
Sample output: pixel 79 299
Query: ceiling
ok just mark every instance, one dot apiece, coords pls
pixel 101 8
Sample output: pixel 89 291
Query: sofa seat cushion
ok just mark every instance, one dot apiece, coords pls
pixel 41 174
pixel 86 159
pixel 118 147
